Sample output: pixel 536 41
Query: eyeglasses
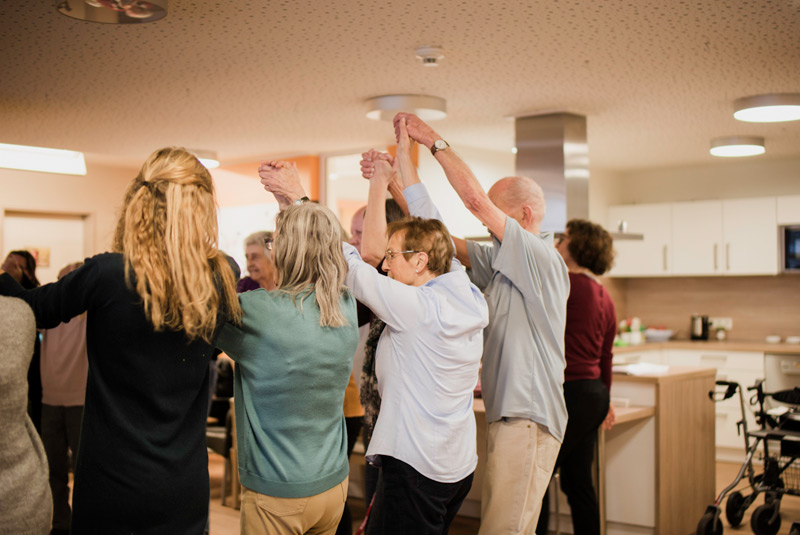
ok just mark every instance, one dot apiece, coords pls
pixel 268 243
pixel 390 254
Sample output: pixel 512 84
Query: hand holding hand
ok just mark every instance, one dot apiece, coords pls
pixel 377 166
pixel 416 129
pixel 281 179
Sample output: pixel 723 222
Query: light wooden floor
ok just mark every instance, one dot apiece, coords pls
pixel 225 520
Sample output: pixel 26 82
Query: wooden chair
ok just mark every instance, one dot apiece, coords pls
pixel 233 459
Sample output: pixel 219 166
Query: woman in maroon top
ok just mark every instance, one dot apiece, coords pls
pixel 588 251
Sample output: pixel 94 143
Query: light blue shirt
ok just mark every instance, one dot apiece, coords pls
pixel 526 285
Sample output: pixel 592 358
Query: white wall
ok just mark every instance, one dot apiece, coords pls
pixel 97 196
pixel 727 179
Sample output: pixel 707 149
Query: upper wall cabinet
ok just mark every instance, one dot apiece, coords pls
pixel 730 237
pixel 789 210
pixel 697 238
pixel 650 256
pixel 750 232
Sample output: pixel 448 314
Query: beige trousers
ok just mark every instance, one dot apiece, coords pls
pixel 520 458
pixel 319 514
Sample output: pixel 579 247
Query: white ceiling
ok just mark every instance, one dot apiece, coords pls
pixel 248 78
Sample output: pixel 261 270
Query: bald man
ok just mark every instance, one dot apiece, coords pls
pixel 526 285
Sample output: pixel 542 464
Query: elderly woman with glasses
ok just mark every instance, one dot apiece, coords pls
pixel 260 268
pixel 427 358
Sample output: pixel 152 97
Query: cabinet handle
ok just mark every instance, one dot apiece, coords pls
pixel 665 257
pixel 714 357
pixel 716 264
pixel 727 256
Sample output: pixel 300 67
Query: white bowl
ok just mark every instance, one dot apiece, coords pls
pixel 773 339
pixel 793 339
pixel 658 335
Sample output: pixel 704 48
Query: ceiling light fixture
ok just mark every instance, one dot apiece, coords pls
pixel 385 107
pixel 113 11
pixel 207 157
pixel 430 55
pixel 737 146
pixel 65 162
pixel 773 108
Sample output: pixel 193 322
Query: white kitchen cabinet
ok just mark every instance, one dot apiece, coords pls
pixel 750 231
pixel 696 238
pixel 789 210
pixel 647 257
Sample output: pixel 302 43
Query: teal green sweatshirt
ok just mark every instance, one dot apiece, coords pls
pixel 289 386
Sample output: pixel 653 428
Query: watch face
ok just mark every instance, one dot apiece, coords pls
pixel 440 144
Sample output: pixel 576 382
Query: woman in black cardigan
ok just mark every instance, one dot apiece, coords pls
pixel 155 306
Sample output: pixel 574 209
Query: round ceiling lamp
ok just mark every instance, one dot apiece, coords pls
pixel 737 146
pixel 773 108
pixel 385 107
pixel 207 157
pixel 114 11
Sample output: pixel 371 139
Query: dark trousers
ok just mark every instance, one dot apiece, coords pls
pixel 61 431
pixel 587 406
pixel 353 428
pixel 407 502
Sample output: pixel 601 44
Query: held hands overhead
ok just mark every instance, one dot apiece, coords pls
pixel 282 180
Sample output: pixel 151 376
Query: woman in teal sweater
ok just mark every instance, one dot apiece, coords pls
pixel 294 353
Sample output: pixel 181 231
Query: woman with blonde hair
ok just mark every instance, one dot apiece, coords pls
pixel 290 378
pixel 154 309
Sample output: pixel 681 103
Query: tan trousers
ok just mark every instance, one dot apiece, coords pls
pixel 320 514
pixel 520 458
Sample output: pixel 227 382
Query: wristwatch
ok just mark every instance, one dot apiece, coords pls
pixel 439 144
pixel 301 200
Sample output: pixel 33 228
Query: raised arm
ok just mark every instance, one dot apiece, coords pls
pixel 377 168
pixel 282 180
pixel 459 175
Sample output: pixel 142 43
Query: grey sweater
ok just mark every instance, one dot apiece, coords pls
pixel 25 501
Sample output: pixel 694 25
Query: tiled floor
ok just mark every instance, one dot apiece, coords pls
pixel 225 520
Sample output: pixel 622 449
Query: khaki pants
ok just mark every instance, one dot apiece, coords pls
pixel 320 514
pixel 521 455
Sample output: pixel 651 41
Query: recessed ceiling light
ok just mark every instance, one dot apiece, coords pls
pixel 385 107
pixel 737 146
pixel 207 157
pixel 773 108
pixel 65 162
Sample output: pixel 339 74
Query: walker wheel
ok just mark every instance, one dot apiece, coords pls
pixel 707 526
pixel 760 521
pixel 734 509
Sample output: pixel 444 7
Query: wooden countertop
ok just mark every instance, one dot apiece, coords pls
pixel 703 345
pixel 631 414
pixel 673 373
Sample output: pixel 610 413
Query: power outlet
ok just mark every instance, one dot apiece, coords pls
pixel 725 323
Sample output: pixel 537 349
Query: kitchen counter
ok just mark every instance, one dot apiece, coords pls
pixel 709 345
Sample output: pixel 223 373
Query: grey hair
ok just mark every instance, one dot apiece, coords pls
pixel 257 238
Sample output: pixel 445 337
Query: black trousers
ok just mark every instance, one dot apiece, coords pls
pixel 587 405
pixel 407 502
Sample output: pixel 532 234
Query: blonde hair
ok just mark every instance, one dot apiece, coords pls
pixel 167 233
pixel 307 252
